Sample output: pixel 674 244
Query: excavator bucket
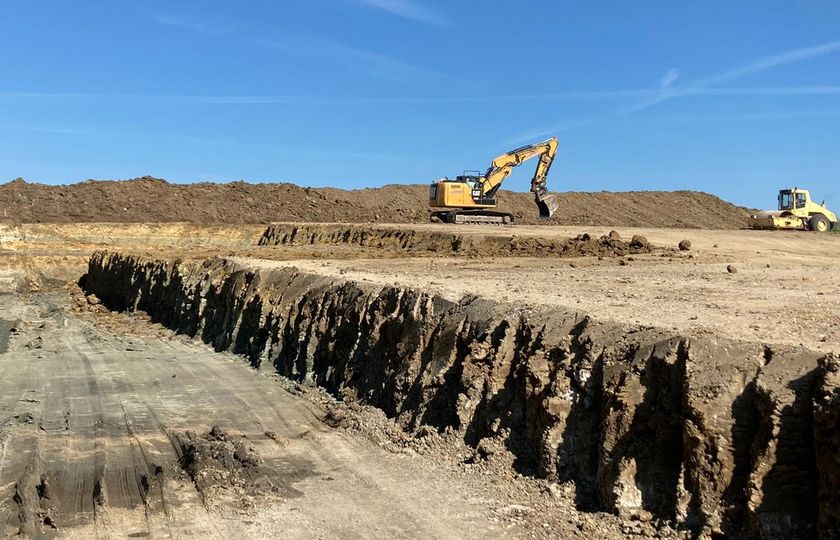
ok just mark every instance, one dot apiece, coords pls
pixel 547 204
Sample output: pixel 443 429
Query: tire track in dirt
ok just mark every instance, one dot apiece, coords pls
pixel 112 412
pixel 304 438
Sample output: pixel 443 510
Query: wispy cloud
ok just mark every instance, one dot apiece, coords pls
pixel 53 130
pixel 193 25
pixel 769 62
pixel 575 95
pixel 97 132
pixel 410 9
pixel 348 153
pixel 582 95
pixel 668 91
pixel 669 78
pixel 791 115
pixel 759 91
pixel 757 66
pixel 533 135
pixel 375 64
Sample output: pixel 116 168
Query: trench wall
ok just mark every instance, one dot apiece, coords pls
pixel 723 438
pixel 443 241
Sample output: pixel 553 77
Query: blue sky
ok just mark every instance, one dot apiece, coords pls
pixel 735 98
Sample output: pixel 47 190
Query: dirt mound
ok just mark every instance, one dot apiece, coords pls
pixel 449 243
pixel 225 467
pixel 151 200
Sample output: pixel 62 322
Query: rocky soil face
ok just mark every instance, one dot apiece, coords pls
pixel 713 436
pixel 151 200
pixel 827 443
pixel 423 242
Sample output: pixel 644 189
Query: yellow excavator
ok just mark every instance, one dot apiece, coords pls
pixel 471 197
pixel 796 211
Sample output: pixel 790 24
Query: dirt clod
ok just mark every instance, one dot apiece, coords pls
pixel 640 242
pixel 225 467
pixel 217 433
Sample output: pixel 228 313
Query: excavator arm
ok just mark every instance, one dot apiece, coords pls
pixel 503 165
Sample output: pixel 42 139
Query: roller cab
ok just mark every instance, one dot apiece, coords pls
pixel 796 211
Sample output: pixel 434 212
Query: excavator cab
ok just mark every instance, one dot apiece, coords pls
pixel 475 182
pixel 470 176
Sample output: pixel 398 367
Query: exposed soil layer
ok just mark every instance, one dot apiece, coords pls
pixel 6 328
pixel 715 436
pixel 444 242
pixel 827 441
pixel 151 200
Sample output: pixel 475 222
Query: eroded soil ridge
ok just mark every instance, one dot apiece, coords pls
pixel 714 436
pixel 420 242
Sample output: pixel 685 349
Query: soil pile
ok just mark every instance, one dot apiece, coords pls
pixel 223 466
pixel 448 243
pixel 151 200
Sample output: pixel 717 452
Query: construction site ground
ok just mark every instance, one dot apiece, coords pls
pixel 784 287
pixel 95 405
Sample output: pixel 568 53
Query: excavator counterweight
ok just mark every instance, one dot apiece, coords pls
pixel 471 198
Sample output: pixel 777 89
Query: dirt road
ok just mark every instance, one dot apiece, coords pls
pixel 89 420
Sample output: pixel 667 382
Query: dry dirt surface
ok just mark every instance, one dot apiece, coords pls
pixel 783 289
pixel 367 381
pixel 115 428
pixel 149 199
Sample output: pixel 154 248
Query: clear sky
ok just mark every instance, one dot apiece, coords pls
pixel 738 98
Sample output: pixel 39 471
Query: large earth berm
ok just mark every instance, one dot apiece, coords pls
pixel 151 200
pixel 718 437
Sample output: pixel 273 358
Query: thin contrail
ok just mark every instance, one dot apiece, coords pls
pixel 582 95
pixel 703 86
pixel 409 9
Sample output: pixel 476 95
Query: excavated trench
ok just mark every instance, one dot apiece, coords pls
pixel 723 438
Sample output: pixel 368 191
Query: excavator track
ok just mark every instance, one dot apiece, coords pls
pixel 472 217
